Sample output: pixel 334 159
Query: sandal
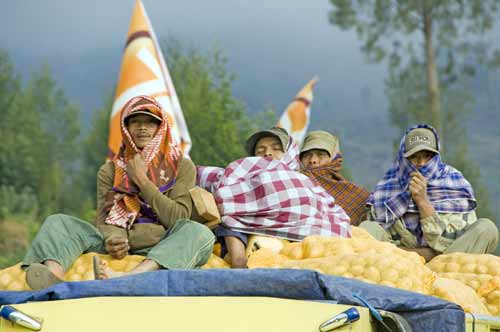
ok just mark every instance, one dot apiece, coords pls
pixel 96 263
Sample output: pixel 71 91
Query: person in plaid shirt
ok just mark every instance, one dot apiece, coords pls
pixel 425 205
pixel 322 161
pixel 266 194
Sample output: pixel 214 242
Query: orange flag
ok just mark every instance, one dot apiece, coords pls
pixel 295 119
pixel 144 72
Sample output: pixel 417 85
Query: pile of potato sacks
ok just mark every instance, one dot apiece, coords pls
pixel 480 273
pixel 472 281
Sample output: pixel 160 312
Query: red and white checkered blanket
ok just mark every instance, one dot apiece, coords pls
pixel 265 196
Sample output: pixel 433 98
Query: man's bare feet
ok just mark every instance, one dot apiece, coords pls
pixel 236 250
pixel 105 272
pixel 239 262
pixel 55 268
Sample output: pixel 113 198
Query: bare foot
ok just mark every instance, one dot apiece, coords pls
pixel 105 272
pixel 239 262
pixel 55 268
pixel 236 249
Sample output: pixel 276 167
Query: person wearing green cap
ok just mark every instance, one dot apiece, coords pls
pixel 321 160
pixel 425 205
pixel 266 194
pixel 266 143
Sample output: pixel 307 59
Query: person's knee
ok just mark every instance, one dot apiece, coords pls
pixel 197 230
pixel 487 229
pixel 54 220
pixel 375 230
pixel 365 224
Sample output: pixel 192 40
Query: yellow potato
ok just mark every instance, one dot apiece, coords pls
pixel 13 278
pixel 459 293
pixel 215 262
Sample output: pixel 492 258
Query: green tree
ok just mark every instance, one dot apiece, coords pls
pixel 422 29
pixel 9 86
pixel 95 147
pixel 217 121
pixel 407 100
pixel 439 42
pixel 56 142
pixel 20 130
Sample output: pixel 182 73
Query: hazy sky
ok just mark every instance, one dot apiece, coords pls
pixel 274 47
pixel 274 44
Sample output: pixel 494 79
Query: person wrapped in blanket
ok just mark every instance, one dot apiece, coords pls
pixel 266 194
pixel 321 160
pixel 425 205
pixel 142 206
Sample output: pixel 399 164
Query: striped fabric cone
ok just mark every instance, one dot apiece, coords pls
pixel 295 119
pixel 144 72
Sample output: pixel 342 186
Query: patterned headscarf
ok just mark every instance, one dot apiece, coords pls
pixel 266 196
pixel 351 197
pixel 447 190
pixel 161 156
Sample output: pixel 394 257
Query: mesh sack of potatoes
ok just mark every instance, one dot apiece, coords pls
pixel 317 246
pixel 294 250
pixel 492 301
pixel 378 268
pixel 256 242
pixel 482 284
pixel 217 249
pixel 265 258
pixel 476 264
pixel 455 291
pixel 485 285
pixel 215 262
pixel 466 263
pixel 82 268
pixel 13 278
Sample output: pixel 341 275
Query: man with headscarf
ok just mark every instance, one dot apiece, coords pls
pixel 265 194
pixel 321 160
pixel 425 205
pixel 142 204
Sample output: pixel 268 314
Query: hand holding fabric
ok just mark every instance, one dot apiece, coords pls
pixel 117 246
pixel 418 188
pixel 137 169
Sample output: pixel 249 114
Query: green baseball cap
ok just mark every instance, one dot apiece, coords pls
pixel 420 139
pixel 321 140
pixel 280 133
